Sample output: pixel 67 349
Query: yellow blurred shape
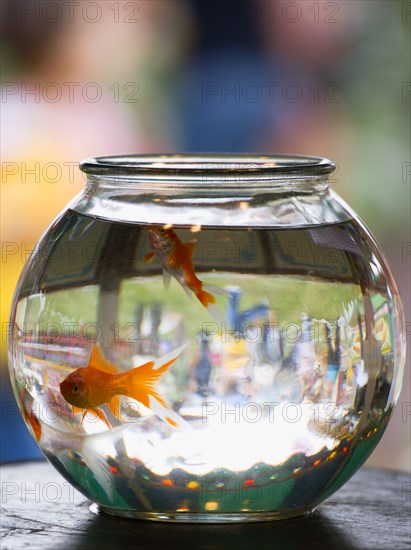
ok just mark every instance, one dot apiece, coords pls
pixel 211 506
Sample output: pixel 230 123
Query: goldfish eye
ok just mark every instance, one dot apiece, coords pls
pixel 75 388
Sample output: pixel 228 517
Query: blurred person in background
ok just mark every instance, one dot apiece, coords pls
pixel 262 77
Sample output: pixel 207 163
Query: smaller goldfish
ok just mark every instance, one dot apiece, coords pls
pixel 100 383
pixel 29 415
pixel 176 260
pixel 34 422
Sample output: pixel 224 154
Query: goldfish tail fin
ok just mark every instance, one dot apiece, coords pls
pixel 206 298
pixel 217 314
pixel 163 363
pixel 167 414
pixel 140 382
pixel 214 289
pixel 209 301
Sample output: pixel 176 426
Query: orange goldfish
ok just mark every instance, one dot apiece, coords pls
pixel 100 383
pixel 27 401
pixel 176 259
pixel 32 420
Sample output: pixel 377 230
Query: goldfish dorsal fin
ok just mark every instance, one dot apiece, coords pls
pixel 99 362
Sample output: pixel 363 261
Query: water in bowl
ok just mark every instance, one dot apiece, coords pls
pixel 285 384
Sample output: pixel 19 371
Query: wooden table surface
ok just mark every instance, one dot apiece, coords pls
pixel 39 510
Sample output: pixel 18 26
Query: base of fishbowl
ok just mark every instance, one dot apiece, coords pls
pixel 183 517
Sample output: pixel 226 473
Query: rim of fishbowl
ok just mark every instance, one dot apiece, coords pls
pixel 205 167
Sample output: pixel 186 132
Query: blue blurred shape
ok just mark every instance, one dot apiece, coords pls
pixel 239 319
pixel 223 102
pixel 16 442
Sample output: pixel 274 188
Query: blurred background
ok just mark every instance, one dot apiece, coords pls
pixel 96 78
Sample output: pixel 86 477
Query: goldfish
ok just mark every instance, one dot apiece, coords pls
pixel 100 383
pixel 34 422
pixel 176 260
pixel 29 415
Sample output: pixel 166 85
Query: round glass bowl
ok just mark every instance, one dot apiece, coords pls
pixel 206 338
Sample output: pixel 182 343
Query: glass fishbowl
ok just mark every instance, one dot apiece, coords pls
pixel 207 339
